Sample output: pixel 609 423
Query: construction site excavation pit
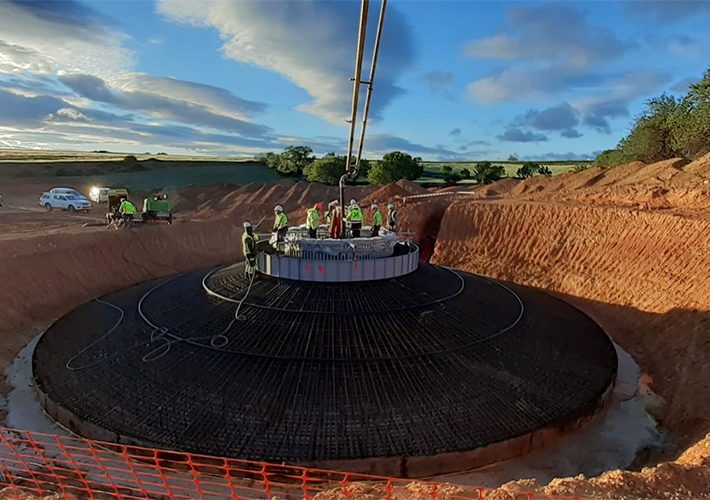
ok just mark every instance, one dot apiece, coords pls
pixel 429 372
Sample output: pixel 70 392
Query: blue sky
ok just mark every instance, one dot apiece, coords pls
pixel 456 80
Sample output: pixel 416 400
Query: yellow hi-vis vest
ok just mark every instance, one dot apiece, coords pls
pixel 355 215
pixel 249 243
pixel 281 221
pixel 312 219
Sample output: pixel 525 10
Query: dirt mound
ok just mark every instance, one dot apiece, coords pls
pixel 411 187
pixel 699 167
pixel 386 194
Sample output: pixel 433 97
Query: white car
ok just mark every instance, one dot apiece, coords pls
pixel 66 191
pixel 70 202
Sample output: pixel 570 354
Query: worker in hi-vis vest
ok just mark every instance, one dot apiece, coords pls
pixel 313 220
pixel 280 227
pixel 355 219
pixel 249 239
pixel 392 218
pixel 376 221
pixel 128 211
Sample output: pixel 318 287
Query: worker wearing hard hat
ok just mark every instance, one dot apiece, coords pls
pixel 313 220
pixel 249 239
pixel 127 211
pixel 355 219
pixel 280 226
pixel 392 218
pixel 376 220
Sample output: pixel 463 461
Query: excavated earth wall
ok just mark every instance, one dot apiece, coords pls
pixel 642 275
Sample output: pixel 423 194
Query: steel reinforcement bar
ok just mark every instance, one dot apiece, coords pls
pixel 35 465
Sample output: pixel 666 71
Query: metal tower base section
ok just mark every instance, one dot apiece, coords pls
pixel 432 372
pixel 334 260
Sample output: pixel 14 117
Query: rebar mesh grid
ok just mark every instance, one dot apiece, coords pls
pixel 431 363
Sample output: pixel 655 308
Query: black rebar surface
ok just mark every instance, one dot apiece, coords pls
pixel 432 362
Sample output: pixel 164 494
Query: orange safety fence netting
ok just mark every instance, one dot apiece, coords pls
pixel 41 465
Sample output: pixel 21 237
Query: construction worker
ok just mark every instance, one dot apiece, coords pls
pixel 313 220
pixel 280 227
pixel 335 230
pixel 376 221
pixel 392 218
pixel 355 219
pixel 249 239
pixel 329 213
pixel 127 211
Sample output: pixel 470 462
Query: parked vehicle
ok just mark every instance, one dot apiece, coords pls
pixel 69 202
pixel 67 191
pixel 101 194
pixel 157 207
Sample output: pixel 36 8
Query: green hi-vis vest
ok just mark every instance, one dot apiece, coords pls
pixel 355 215
pixel 377 221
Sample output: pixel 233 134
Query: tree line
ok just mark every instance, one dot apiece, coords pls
pixel 668 127
pixel 300 160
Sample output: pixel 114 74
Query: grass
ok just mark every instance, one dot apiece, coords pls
pixel 434 167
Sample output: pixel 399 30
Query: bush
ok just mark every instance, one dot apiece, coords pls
pixel 130 159
pixel 452 179
pixel 668 127
pixel 485 173
pixel 527 170
pixel 513 157
pixel 326 170
pixel 544 170
pixel 395 166
pixel 446 169
pixel 294 159
pixel 465 173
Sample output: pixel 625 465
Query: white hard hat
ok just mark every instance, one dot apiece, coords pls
pixel 278 208
pixel 247 224
pixel 355 205
pixel 390 206
pixel 353 202
pixel 331 204
pixel 374 206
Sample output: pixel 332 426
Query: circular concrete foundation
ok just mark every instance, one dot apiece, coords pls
pixel 433 372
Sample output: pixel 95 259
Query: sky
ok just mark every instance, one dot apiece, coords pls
pixel 455 81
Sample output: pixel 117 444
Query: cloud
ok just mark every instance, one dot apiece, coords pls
pixel 571 134
pixel 551 32
pixel 438 79
pixel 44 37
pixel 554 48
pixel 682 86
pixel 171 107
pixel 517 135
pixel 684 47
pixel 613 102
pixel 455 132
pixel 559 117
pixel 667 12
pixel 18 110
pixel 310 42
pixel 379 144
pixel 561 156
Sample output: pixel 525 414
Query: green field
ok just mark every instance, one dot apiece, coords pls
pixel 433 175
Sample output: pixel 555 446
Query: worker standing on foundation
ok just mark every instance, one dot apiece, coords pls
pixel 313 220
pixel 280 228
pixel 376 221
pixel 249 239
pixel 392 218
pixel 355 219
pixel 335 230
